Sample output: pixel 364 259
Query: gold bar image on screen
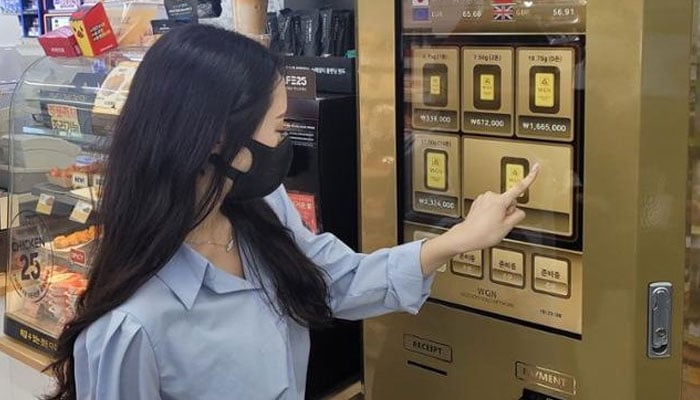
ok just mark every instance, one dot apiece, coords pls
pixel 436 174
pixel 497 164
pixel 487 90
pixel 544 90
pixel 514 170
pixel 436 170
pixel 487 87
pixel 546 87
pixel 435 85
pixel 434 82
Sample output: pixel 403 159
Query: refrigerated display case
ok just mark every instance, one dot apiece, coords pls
pixel 61 118
pixel 585 298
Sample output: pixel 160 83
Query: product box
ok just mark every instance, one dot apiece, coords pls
pixel 333 74
pixel 92 30
pixel 60 43
pixel 131 22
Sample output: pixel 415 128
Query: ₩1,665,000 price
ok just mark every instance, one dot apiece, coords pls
pixel 545 127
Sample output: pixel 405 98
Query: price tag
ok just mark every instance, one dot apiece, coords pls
pixel 81 212
pixel 80 180
pixel 97 180
pixel 45 204
pixel 64 119
pixel 78 257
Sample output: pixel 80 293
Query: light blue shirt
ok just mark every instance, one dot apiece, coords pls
pixel 194 331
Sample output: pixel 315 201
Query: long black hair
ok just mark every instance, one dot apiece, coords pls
pixel 197 85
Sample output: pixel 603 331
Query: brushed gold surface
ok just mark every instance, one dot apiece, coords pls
pixel 377 124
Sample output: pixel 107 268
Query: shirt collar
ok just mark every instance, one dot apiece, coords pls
pixel 187 271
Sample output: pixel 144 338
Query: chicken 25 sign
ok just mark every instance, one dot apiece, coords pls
pixel 30 270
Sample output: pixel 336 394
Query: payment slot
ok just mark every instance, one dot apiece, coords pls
pixel 545 105
pixel 436 174
pixel 496 164
pixel 538 285
pixel 487 90
pixel 435 93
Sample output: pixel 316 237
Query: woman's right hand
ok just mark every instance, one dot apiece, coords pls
pixel 491 217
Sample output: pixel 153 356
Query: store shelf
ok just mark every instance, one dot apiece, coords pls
pixel 83 140
pixel 64 201
pixel 22 353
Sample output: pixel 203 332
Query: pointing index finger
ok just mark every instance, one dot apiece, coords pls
pixel 519 188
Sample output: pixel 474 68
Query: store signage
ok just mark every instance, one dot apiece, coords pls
pixel 81 212
pixel 45 204
pixel 29 271
pixel 300 83
pixel 305 203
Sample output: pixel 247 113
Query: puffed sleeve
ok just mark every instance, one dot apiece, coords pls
pixel 361 285
pixel 114 360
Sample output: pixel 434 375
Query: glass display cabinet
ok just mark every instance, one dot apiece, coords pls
pixel 61 118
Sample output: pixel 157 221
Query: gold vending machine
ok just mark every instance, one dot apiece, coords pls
pixel 595 295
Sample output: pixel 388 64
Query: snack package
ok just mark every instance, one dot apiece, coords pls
pixel 60 43
pixel 132 22
pixel 112 94
pixel 92 30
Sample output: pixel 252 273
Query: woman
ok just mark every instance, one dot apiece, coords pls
pixel 206 281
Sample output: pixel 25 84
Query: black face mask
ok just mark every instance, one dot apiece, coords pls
pixel 269 168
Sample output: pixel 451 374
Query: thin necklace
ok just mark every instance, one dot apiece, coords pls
pixel 228 246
